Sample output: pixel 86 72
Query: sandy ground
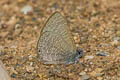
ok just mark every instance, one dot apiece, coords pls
pixel 95 23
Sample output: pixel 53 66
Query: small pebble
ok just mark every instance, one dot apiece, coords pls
pixel 1 53
pixel 89 57
pixel 19 65
pixel 118 47
pixel 82 73
pixel 99 74
pixel 56 70
pixel 31 63
pixel 27 9
pixel 12 21
pixel 77 39
pixel 101 53
pixel 29 68
pixel 99 78
pixel 1 49
pixel 55 5
pixel 116 40
pixel 21 1
pixel 93 73
pixel 104 45
pixel 13 75
pixel 85 77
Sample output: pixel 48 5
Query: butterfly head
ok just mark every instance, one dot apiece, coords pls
pixel 75 56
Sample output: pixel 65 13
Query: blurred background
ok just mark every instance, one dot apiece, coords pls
pixel 95 25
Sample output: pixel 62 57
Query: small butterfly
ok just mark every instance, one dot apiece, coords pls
pixel 55 44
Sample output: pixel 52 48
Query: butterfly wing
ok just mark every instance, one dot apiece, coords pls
pixel 55 42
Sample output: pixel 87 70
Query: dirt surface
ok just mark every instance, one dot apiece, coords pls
pixel 95 25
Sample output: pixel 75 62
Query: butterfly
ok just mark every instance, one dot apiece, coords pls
pixel 55 44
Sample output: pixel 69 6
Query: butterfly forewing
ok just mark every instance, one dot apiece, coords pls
pixel 55 42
